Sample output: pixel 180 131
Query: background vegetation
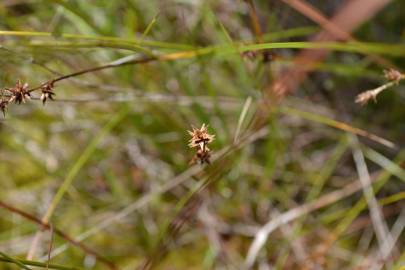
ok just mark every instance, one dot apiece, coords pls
pixel 106 164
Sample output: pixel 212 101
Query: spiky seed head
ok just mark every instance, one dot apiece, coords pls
pixel 200 137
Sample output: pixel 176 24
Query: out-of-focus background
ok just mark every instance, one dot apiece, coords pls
pixel 107 163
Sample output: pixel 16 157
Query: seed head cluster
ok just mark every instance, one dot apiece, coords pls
pixel 200 138
pixel 394 77
pixel 17 94
pixel 47 92
pixel 21 93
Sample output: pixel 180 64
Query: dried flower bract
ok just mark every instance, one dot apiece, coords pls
pixel 200 138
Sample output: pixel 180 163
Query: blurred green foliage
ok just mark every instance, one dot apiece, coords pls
pixel 110 166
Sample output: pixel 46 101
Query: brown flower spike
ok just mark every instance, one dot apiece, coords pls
pixel 3 106
pixel 47 92
pixel 200 138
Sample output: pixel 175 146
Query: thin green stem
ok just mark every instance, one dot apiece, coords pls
pixel 23 263
pixel 11 259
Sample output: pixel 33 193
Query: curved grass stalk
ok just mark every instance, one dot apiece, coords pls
pixel 117 40
pixel 336 124
pixel 88 45
pixel 232 49
pixel 12 260
pixel 23 263
pixel 358 47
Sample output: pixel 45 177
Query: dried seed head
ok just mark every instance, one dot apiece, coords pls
pixel 19 93
pixel 47 92
pixel 365 97
pixel 200 137
pixel 393 75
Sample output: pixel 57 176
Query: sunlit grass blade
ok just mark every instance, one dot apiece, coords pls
pixel 336 124
pixel 385 163
pixel 350 215
pixel 354 47
pixel 393 198
pixel 242 117
pixel 149 27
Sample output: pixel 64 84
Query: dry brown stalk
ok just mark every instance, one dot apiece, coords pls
pixel 316 15
pixel 47 226
pixel 350 16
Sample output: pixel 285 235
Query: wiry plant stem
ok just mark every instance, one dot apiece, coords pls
pixel 89 70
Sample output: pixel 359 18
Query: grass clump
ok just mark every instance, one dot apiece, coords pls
pixel 299 176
